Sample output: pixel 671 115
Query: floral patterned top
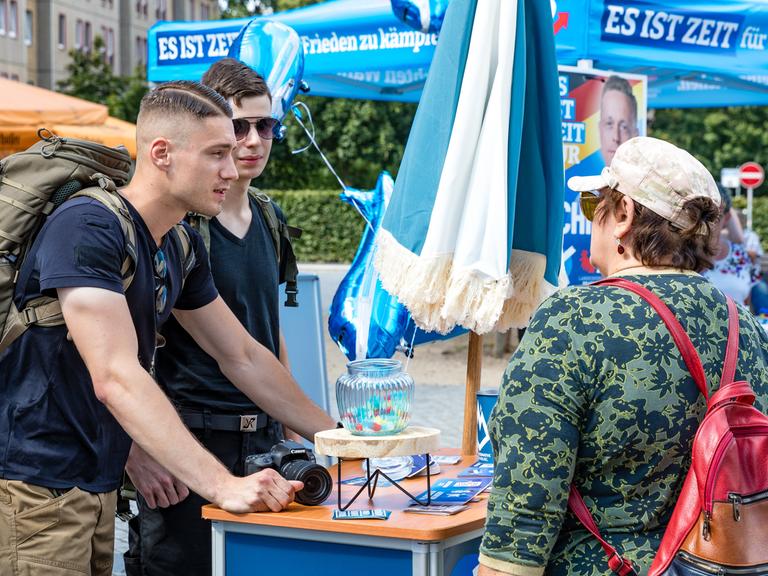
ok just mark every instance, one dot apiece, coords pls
pixel 598 394
pixel 735 274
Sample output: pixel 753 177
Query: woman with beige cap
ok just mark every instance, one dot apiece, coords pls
pixel 597 394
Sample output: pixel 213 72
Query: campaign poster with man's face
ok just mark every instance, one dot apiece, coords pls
pixel 599 111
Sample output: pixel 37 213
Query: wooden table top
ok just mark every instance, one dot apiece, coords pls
pixel 343 444
pixel 424 527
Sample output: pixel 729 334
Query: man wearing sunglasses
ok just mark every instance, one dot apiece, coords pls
pixel 169 536
pixel 72 397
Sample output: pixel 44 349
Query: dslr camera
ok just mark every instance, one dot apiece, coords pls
pixel 295 462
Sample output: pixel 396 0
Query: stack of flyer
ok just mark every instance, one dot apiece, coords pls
pixel 450 495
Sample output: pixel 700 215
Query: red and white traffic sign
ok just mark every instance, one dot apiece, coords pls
pixel 751 174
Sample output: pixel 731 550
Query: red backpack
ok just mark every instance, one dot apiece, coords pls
pixel 720 522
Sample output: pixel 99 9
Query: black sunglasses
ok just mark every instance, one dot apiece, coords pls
pixel 161 290
pixel 267 128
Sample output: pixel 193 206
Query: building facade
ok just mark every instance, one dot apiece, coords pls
pixel 36 36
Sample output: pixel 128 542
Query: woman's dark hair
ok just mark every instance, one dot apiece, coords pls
pixel 655 241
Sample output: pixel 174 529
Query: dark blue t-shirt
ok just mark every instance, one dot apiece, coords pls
pixel 247 275
pixel 55 431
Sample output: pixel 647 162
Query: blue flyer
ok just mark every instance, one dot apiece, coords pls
pixel 478 469
pixel 456 490
pixel 361 480
pixel 419 465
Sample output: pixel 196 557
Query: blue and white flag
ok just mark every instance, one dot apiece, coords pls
pixel 473 233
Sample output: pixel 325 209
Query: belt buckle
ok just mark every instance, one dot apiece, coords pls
pixel 249 422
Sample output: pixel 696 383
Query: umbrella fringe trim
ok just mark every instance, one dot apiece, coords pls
pixel 439 297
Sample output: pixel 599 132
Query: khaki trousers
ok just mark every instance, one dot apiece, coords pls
pixel 42 534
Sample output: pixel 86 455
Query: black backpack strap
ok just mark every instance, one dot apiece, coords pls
pixel 280 231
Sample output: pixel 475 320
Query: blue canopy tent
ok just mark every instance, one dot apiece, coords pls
pixel 695 53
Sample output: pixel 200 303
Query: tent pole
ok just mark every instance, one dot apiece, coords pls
pixel 474 370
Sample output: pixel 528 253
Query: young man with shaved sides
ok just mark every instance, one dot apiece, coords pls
pixel 169 536
pixel 72 397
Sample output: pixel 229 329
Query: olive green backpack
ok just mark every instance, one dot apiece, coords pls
pixel 33 184
pixel 279 231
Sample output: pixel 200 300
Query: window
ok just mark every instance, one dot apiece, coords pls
pixel 88 40
pixel 15 77
pixel 78 34
pixel 3 74
pixel 13 19
pixel 204 12
pixel 144 5
pixel 161 9
pixel 28 27
pixel 103 36
pixel 62 31
pixel 191 9
pixel 3 16
pixel 111 47
pixel 141 49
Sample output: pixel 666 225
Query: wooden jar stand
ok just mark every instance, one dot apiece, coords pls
pixel 342 444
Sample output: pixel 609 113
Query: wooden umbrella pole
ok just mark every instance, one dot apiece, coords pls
pixel 474 371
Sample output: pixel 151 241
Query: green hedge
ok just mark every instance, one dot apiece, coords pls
pixel 332 228
pixel 759 216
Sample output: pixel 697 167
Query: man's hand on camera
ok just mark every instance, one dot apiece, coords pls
pixel 264 491
pixel 156 484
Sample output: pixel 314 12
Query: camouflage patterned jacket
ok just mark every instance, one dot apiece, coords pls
pixel 597 393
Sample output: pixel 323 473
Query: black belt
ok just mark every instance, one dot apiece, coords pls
pixel 225 422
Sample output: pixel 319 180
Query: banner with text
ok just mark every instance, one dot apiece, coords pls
pixel 353 48
pixel 599 111
pixel 719 37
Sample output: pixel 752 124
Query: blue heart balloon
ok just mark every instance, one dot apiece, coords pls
pixel 423 15
pixel 274 50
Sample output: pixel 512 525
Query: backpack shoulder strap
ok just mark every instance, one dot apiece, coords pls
pixel 281 231
pixel 616 562
pixel 202 224
pixel 679 335
pixel 46 311
pixel 115 204
pixel 732 350
pixel 184 244
pixel 270 216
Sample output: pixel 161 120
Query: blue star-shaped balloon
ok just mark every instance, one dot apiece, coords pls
pixel 365 320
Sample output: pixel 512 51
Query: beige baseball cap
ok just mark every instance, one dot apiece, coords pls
pixel 656 174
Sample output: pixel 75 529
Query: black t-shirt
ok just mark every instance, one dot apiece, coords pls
pixel 246 275
pixel 55 431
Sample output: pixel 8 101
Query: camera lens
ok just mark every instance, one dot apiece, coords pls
pixel 317 481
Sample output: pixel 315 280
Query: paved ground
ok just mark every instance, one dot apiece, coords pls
pixel 438 370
